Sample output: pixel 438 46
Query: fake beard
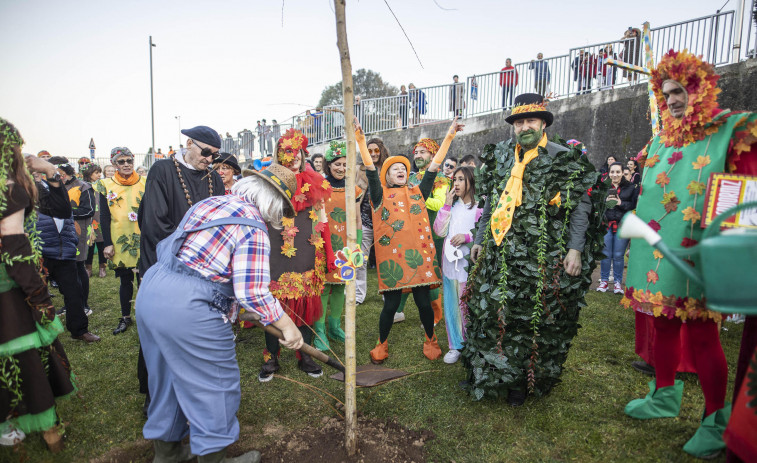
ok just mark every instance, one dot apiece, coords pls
pixel 529 138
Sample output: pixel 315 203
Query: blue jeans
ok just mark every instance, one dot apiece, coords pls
pixel 615 248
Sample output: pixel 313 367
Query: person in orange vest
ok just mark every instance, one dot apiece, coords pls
pixel 405 250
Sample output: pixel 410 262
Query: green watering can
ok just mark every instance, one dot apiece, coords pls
pixel 728 270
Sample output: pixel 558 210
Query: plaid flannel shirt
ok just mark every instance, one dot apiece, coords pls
pixel 233 253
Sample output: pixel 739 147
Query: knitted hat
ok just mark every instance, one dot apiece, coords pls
pixel 119 151
pixel 44 153
pixel 389 162
pixel 204 134
pixel 429 143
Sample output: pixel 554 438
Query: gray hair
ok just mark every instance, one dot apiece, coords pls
pixel 266 197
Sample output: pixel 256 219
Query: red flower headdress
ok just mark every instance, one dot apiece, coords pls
pixel 289 145
pixel 699 80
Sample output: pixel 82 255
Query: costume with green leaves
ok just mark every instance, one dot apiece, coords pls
pixel 523 307
pixel 332 297
pixel 34 369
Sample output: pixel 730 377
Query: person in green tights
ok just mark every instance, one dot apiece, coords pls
pixel 329 326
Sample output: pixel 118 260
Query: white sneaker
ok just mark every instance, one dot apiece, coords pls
pixel 452 356
pixel 618 289
pixel 12 437
pixel 399 317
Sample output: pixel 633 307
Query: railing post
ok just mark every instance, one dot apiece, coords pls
pixel 737 29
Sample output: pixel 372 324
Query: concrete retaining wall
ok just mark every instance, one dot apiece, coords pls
pixel 608 122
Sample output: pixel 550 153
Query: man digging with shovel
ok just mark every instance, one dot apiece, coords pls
pixel 215 262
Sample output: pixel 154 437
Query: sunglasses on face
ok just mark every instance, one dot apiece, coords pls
pixel 207 152
pixel 376 151
pixel 123 162
pixel 449 166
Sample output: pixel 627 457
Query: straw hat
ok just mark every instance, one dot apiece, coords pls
pixel 279 176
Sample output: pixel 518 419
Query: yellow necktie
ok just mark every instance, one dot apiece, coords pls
pixel 502 218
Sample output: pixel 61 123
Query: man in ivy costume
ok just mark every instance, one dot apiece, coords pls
pixel 423 152
pixel 538 240
pixel 120 197
pixel 698 139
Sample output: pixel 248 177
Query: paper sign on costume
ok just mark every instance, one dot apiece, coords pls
pixel 725 191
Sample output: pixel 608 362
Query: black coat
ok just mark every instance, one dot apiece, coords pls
pixel 164 204
pixel 627 194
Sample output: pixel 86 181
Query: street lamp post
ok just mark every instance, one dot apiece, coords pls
pixel 178 118
pixel 152 107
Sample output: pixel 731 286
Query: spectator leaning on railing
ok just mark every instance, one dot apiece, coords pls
pixel 508 80
pixel 542 76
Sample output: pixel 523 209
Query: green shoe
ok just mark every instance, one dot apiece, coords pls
pixel 320 341
pixel 707 442
pixel 664 402
pixel 335 329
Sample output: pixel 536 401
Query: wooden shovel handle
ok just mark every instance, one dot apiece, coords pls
pixel 305 349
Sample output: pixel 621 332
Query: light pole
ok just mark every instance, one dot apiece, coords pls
pixel 152 107
pixel 178 118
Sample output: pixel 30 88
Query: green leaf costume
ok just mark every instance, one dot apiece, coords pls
pixel 523 307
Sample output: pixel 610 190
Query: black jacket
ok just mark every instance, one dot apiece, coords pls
pixel 626 191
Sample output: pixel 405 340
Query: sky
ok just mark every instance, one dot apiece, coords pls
pixel 79 69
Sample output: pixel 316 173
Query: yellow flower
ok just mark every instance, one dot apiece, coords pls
pixel 657 254
pixel 305 188
pixel 701 162
pixel 325 185
pixel 690 215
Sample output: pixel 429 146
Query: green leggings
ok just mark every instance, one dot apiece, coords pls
pixel 333 297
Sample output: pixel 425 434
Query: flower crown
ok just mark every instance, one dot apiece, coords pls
pixel 337 149
pixel 293 141
pixel 699 80
pixel 530 108
pixel 430 144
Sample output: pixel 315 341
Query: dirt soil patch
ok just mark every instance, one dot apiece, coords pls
pixel 378 442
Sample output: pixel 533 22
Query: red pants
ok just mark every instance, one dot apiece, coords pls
pixel 645 343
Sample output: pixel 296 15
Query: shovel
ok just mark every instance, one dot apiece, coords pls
pixel 248 316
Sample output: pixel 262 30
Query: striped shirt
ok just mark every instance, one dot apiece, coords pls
pixel 236 253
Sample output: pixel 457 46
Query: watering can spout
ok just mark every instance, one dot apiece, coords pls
pixel 633 227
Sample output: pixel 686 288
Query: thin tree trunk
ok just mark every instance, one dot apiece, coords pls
pixel 350 441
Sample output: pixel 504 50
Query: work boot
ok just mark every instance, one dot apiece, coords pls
pixel 88 267
pixel 664 402
pixel 123 324
pixel 270 367
pixel 307 365
pixel 102 273
pixel 431 348
pixel 335 329
pixel 171 452
pixel 320 340
pixel 380 352
pixel 220 457
pixel 707 442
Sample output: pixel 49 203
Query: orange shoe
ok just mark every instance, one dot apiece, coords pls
pixel 431 349
pixel 380 352
pixel 436 305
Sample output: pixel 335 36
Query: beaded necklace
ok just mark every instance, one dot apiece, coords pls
pixel 184 186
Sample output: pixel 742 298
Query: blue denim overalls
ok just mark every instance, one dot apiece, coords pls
pixel 188 346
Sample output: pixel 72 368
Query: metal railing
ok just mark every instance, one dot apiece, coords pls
pixel 709 36
pixel 583 70
pixel 749 42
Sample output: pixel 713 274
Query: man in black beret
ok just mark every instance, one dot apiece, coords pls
pixel 173 186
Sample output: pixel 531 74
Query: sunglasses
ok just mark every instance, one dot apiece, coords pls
pixel 376 151
pixel 449 166
pixel 207 152
pixel 123 162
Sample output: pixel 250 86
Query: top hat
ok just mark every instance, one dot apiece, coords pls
pixel 530 105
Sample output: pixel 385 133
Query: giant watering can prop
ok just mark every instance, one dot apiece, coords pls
pixel 728 270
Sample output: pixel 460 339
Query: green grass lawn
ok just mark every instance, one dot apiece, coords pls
pixel 581 420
